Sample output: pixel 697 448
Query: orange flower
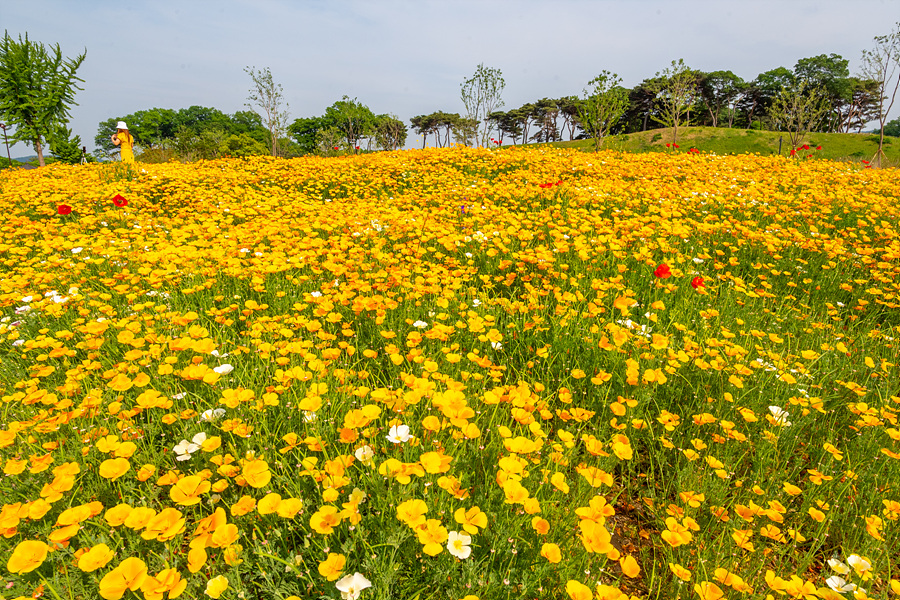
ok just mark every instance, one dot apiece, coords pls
pixel 27 556
pixel 708 591
pixel 551 552
pixel 188 490
pixel 129 575
pixel 578 591
pixel 332 567
pixel 325 520
pixel 95 558
pixel 257 473
pixel 113 468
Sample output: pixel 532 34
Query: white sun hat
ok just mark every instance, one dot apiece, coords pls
pixel 121 125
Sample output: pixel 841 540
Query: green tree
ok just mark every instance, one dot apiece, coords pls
pixel 882 65
pixel 676 92
pixel 761 92
pixel 481 95
pixel 390 132
pixel 831 74
pixel 892 128
pixel 719 90
pixel 799 110
pixel 352 118
pixel 64 147
pixel 269 97
pixel 37 88
pixel 305 131
pixel 604 103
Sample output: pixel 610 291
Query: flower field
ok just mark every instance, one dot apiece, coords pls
pixel 451 373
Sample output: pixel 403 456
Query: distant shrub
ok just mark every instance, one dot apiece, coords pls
pixel 656 137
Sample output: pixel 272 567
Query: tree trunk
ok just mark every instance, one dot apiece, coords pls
pixel 40 152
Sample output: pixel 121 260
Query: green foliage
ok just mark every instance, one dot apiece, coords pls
pixel 481 94
pixel 64 147
pixel 892 128
pixel 352 118
pixel 676 91
pixel 604 103
pixel 269 97
pixel 37 88
pixel 390 132
pixel 799 110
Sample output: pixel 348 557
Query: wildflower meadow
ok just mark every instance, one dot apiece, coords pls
pixel 451 374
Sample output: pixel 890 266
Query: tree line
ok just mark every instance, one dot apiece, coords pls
pixel 817 94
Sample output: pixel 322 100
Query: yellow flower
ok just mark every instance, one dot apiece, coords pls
pixel 257 473
pixel 95 558
pixel 332 567
pixel 216 586
pixel 27 556
pixel 551 552
pixel 113 468
pixel 324 520
pixel 129 575
pixel 578 591
pixel 187 491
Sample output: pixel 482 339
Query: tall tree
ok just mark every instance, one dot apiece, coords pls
pixel 568 109
pixel 305 132
pixel 481 95
pixel 37 88
pixel 604 103
pixel 390 132
pixel 830 73
pixel 676 92
pixel 761 92
pixel 882 64
pixel 352 118
pixel 800 110
pixel 268 96
pixel 719 90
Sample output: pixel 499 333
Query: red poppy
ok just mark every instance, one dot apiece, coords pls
pixel 663 271
pixel 697 283
pixel 818 147
pixel 668 145
pixel 63 209
pixel 119 200
pixel 676 146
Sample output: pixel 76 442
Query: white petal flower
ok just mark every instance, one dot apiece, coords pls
pixel 224 369
pixel 351 586
pixel 398 434
pixel 213 414
pixel 420 324
pixel 199 438
pixel 838 584
pixel 859 564
pixel 184 449
pixel 838 566
pixel 458 544
pixel 364 455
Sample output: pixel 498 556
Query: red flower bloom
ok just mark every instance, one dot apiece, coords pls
pixel 120 201
pixel 663 271
pixel 697 282
pixel 818 147
pixel 676 146
pixel 63 209
pixel 806 146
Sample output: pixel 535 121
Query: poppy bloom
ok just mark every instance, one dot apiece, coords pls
pixel 63 209
pixel 663 271
pixel 119 200
pixel 697 283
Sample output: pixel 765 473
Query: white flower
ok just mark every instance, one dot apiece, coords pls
pixel 27 299
pixel 18 342
pixel 351 586
pixel 838 584
pixel 398 434
pixel 184 449
pixel 316 294
pixel 213 414
pixel 224 369
pixel 199 438
pixel 838 566
pixel 77 250
pixel 458 544
pixel 859 564
pixel 309 416
pixel 364 455
pixel 780 415
pixel 420 324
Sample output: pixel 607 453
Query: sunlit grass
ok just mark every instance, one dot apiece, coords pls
pixel 448 373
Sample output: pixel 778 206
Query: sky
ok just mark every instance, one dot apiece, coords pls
pixel 409 57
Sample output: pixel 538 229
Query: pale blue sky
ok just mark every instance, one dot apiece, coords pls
pixel 408 57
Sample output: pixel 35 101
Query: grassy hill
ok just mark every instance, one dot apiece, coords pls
pixel 835 146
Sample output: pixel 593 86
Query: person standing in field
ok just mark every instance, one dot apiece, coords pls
pixel 125 140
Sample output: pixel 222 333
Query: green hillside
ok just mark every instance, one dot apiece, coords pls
pixel 835 146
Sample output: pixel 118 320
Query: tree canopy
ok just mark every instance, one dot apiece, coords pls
pixel 37 89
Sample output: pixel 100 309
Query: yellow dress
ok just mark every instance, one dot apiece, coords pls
pixel 126 146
